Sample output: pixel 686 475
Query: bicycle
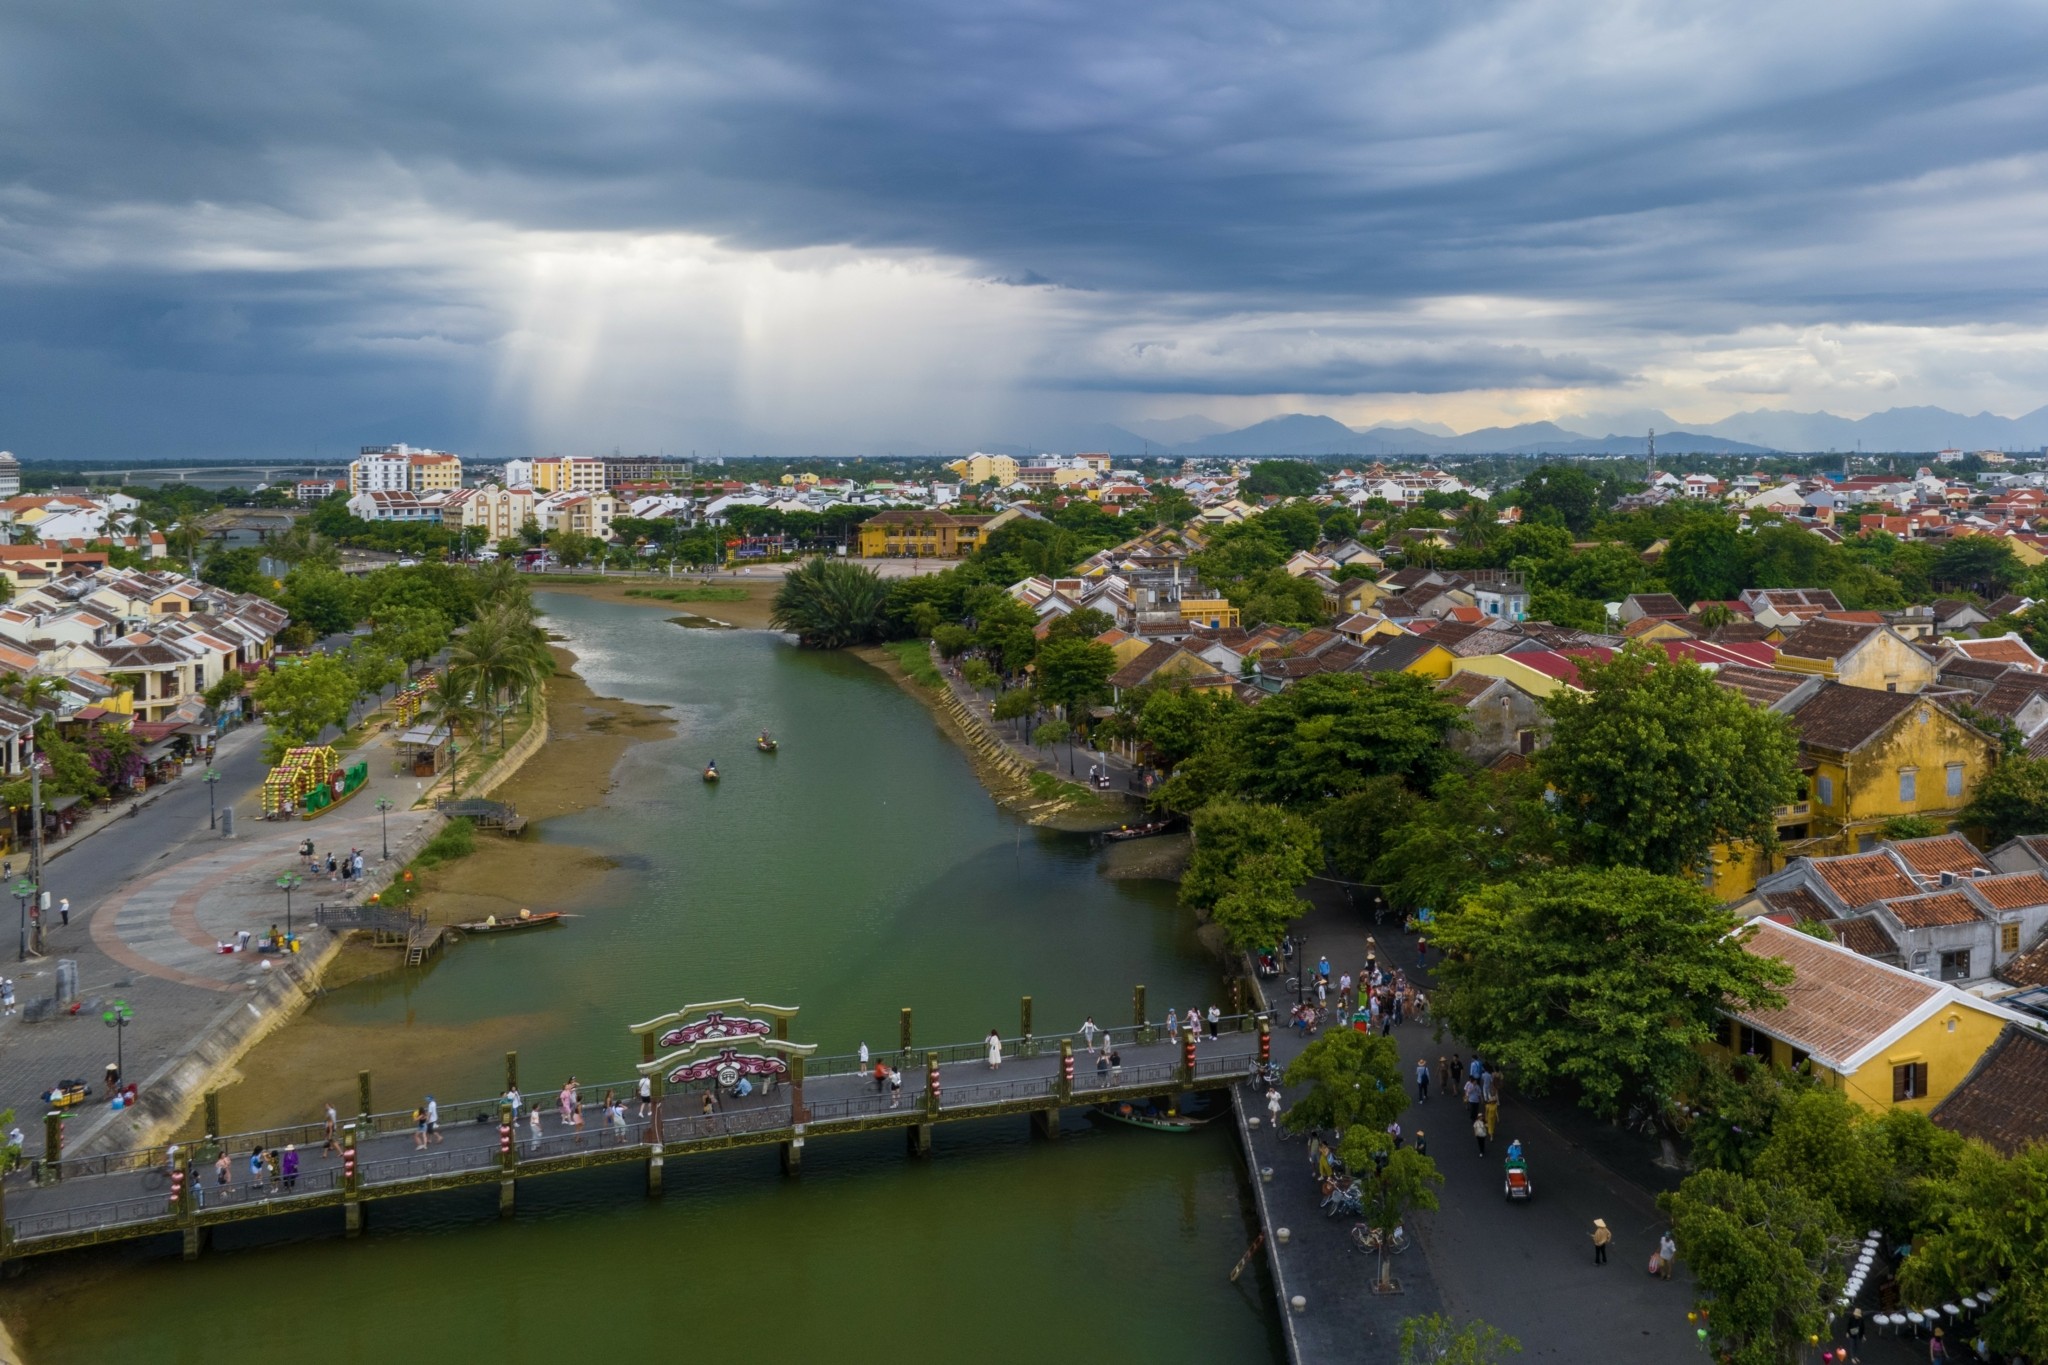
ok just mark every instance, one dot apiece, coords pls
pixel 1367 1238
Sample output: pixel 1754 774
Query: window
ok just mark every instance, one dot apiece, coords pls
pixel 1525 741
pixel 1955 779
pixel 1909 1082
pixel 1825 787
pixel 1909 786
pixel 1955 966
pixel 1724 1033
pixel 2009 938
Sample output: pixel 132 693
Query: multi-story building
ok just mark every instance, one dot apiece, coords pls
pixel 402 469
pixel 10 474
pixel 646 470
pixel 310 491
pixel 381 506
pixel 500 512
pixel 998 469
pixel 584 514
pixel 567 474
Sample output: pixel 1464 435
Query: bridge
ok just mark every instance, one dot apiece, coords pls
pixel 264 473
pixel 164 1191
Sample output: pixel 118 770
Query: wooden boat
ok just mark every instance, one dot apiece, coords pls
pixel 506 926
pixel 1154 1119
pixel 1144 831
pixel 711 773
pixel 765 745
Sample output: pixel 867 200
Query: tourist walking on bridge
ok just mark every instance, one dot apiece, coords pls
pixel 995 1050
pixel 1215 1020
pixel 1088 1032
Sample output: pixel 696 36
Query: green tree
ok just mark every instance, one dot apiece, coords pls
pixel 1984 1226
pixel 1909 827
pixel 1437 1340
pixel 1282 477
pixel 1705 560
pixel 1981 564
pixel 1759 1251
pixel 301 699
pixel 321 599
pixel 1355 1084
pixel 1606 981
pixel 1085 624
pixel 1177 722
pixel 1253 857
pixel 831 604
pixel 1073 674
pixel 1391 1186
pixel 2011 799
pixel 1325 736
pixel 1475 829
pixel 1015 704
pixel 1274 597
pixel 236 570
pixel 410 633
pixel 1559 495
pixel 1356 828
pixel 1654 763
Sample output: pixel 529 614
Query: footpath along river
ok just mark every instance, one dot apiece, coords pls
pixel 860 869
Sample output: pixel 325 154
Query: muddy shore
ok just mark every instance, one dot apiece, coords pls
pixel 571 772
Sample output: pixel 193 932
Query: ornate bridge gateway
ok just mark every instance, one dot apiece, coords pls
pixel 718 1049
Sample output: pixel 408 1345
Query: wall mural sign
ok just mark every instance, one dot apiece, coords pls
pixel 715 1026
pixel 702 1042
pixel 726 1067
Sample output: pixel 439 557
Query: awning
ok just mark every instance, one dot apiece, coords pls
pixel 57 805
pixel 425 736
pixel 159 751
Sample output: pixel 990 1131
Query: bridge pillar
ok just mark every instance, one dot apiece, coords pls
pixel 920 1136
pixel 793 1155
pixel 654 1169
pixel 508 1158
pixel 363 1102
pixel 351 1179
pixel 1025 1046
pixel 53 1146
pixel 1138 1014
pixel 1064 1088
pixel 194 1241
pixel 931 1084
pixel 1186 1073
pixel 1046 1122
pixel 1265 1040
pixel 213 1114
pixel 1237 998
pixel 903 1034
pixel 511 1071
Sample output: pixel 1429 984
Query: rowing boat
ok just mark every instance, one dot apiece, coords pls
pixel 506 926
pixel 1150 1118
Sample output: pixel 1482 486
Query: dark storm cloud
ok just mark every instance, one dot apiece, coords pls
pixel 1337 370
pixel 1672 167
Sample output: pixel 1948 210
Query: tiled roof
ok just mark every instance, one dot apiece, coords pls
pixel 2013 890
pixel 1839 1002
pixel 1842 718
pixel 2004 1099
pixel 1862 934
pixel 1391 656
pixel 1798 901
pixel 2001 649
pixel 1860 878
pixel 1466 688
pixel 2010 694
pixel 1827 639
pixel 1963 666
pixel 1941 853
pixel 1661 604
pixel 1934 909
pixel 1764 687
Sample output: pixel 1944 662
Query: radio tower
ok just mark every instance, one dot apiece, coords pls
pixel 1650 479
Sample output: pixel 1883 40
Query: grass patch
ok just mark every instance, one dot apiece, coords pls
pixel 705 593
pixel 914 657
pixel 457 839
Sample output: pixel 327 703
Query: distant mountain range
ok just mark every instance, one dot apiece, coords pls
pixel 1904 430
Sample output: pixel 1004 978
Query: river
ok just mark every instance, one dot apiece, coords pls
pixel 860 869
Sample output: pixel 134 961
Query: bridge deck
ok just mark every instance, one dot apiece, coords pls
pixel 127 1196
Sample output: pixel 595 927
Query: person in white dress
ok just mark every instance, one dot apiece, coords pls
pixel 995 1050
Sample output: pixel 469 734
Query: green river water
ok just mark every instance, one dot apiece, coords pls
pixel 859 870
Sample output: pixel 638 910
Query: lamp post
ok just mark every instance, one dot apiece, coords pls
pixel 384 817
pixel 1300 965
pixel 23 891
pixel 285 884
pixel 209 777
pixel 117 1018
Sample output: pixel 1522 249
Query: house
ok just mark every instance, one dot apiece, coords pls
pixel 1503 719
pixel 1884 1037
pixel 1788 607
pixel 1655 606
pixel 1353 595
pixel 1953 616
pixel 1417 654
pixel 2006 649
pixel 378 505
pixel 1859 653
pixel 1160 662
pixel 1874 756
pixel 500 512
pixel 583 514
pixel 2003 1101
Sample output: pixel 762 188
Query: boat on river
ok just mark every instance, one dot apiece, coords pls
pixel 765 744
pixel 494 925
pixel 1147 830
pixel 711 772
pixel 1152 1117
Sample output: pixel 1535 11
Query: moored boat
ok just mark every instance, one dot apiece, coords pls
pixel 1145 831
pixel 711 772
pixel 1146 1116
pixel 525 920
pixel 765 744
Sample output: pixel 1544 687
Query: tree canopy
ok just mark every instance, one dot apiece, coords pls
pixel 1654 763
pixel 1247 861
pixel 2011 799
pixel 831 604
pixel 1608 982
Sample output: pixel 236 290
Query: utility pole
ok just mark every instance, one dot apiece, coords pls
pixel 1650 477
pixel 35 805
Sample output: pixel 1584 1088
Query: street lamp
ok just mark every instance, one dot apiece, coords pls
pixel 285 884
pixel 23 891
pixel 209 777
pixel 118 1019
pixel 1300 965
pixel 384 817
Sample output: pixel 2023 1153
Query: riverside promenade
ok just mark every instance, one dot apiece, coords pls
pixel 153 1192
pixel 152 896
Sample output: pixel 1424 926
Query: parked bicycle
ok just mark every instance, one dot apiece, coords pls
pixel 1367 1238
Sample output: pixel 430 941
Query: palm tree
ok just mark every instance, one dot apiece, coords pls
pixel 449 702
pixel 831 604
pixel 503 652
pixel 1475 526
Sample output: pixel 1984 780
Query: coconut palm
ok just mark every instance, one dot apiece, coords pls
pixel 831 604
pixel 449 702
pixel 1475 526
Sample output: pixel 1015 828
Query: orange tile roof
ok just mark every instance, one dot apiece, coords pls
pixel 1860 878
pixel 1798 901
pixel 2014 890
pixel 1839 1003
pixel 1941 853
pixel 1934 909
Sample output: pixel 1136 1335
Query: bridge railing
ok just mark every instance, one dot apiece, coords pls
pixel 1037 1045
pixel 88 1217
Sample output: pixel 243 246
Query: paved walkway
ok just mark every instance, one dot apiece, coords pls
pixel 1123 774
pixel 99 1192
pixel 151 896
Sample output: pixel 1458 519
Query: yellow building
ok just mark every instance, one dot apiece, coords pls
pixel 1884 1036
pixel 923 535
pixel 569 474
pixel 1858 653
pixel 1210 613
pixel 435 473
pixel 1873 756
pixel 1354 595
pixel 1000 470
pixel 1515 668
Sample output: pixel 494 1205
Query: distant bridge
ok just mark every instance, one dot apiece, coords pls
pixel 269 473
pixel 127 1196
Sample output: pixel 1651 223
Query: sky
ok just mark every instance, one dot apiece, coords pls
pixel 779 226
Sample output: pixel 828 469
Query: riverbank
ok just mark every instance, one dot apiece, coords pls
pixel 279 1079
pixel 708 599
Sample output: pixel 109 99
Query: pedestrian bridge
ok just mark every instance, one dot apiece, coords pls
pixel 152 1192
